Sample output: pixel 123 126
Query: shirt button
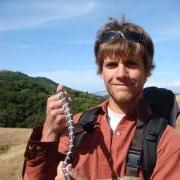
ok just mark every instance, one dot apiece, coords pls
pixel 30 147
pixel 38 147
pixel 118 133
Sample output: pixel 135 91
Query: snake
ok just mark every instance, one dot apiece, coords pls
pixel 70 126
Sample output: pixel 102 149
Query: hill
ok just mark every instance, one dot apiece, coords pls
pixel 23 99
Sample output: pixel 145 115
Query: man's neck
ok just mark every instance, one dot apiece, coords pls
pixel 123 107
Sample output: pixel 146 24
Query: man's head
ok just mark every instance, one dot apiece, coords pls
pixel 124 55
pixel 123 39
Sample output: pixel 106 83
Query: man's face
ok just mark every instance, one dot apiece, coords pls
pixel 124 78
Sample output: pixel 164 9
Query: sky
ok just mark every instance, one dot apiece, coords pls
pixel 55 38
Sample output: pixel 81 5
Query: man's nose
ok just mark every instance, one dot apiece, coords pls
pixel 122 71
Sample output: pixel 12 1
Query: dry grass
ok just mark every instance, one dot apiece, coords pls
pixel 12 146
pixel 178 99
pixel 178 120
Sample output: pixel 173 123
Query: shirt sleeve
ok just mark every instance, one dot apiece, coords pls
pixel 175 112
pixel 168 156
pixel 41 158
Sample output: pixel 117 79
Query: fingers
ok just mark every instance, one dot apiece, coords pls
pixel 55 97
pixel 54 102
pixel 60 175
pixel 69 168
pixel 55 120
pixel 56 113
pixel 60 88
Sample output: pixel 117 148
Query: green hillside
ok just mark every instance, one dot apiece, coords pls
pixel 23 99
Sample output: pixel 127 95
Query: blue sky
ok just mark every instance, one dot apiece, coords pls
pixel 54 38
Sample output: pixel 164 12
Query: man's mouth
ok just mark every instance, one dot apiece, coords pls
pixel 129 83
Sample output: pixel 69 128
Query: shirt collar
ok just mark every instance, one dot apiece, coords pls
pixel 141 113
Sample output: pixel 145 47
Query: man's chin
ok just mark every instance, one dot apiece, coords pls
pixel 123 96
pixel 123 100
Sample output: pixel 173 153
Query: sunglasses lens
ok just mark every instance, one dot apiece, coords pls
pixel 107 36
pixel 129 35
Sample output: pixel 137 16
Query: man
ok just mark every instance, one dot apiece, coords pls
pixel 124 56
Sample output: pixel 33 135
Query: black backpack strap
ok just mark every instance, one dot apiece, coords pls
pixel 88 119
pixel 86 123
pixel 135 153
pixel 152 134
pixel 142 152
pixel 134 157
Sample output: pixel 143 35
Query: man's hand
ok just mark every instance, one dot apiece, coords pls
pixel 55 118
pixel 60 175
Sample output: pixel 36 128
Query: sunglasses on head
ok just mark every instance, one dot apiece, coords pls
pixel 113 35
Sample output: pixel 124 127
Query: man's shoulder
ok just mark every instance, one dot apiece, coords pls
pixel 103 106
pixel 168 154
pixel 169 142
pixel 170 132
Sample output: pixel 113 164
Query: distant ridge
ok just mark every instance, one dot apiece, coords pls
pixel 101 93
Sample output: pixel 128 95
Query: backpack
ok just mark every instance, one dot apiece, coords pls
pixel 142 151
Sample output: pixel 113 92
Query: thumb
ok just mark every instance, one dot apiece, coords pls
pixel 60 88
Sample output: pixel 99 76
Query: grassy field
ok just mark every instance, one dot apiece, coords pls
pixel 178 99
pixel 178 120
pixel 12 145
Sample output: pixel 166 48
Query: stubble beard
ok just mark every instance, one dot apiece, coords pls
pixel 125 99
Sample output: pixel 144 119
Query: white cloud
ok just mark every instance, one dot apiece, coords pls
pixel 18 15
pixel 176 83
pixel 86 80
pixel 17 45
pixel 172 84
pixel 81 42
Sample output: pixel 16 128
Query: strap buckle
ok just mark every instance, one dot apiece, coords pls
pixel 133 161
pixel 133 164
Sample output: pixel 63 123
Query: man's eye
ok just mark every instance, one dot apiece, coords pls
pixel 131 63
pixel 111 65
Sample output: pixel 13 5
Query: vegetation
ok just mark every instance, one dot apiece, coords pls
pixel 23 99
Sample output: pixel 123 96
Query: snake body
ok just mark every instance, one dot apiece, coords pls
pixel 70 125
